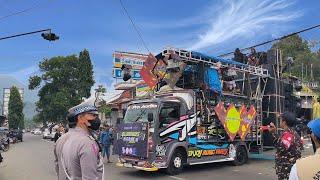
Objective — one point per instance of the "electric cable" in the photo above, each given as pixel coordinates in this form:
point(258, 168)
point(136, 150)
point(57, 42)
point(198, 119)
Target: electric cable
point(134, 26)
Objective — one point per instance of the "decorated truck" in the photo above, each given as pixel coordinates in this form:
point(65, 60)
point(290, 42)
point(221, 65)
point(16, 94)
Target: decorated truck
point(201, 109)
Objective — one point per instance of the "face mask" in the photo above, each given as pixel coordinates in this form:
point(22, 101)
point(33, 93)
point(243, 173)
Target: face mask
point(94, 124)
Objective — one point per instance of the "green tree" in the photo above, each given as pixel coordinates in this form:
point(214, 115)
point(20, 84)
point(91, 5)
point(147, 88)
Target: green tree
point(63, 83)
point(15, 116)
point(86, 74)
point(296, 47)
point(105, 109)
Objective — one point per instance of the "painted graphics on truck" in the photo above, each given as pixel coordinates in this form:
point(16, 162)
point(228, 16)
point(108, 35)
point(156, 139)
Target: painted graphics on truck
point(173, 137)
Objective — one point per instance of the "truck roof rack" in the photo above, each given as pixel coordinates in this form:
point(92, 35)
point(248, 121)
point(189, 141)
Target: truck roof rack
point(196, 57)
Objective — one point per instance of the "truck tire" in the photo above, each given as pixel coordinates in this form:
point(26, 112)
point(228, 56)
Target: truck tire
point(176, 162)
point(241, 156)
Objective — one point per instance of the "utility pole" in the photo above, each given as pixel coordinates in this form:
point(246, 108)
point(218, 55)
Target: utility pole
point(311, 72)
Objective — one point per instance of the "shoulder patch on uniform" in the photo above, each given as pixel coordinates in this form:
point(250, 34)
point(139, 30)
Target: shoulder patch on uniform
point(287, 139)
point(95, 149)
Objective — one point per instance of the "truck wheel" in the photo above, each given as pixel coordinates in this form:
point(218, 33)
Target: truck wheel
point(176, 163)
point(241, 156)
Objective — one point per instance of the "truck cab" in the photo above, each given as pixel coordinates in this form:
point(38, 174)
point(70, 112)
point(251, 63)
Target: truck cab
point(167, 131)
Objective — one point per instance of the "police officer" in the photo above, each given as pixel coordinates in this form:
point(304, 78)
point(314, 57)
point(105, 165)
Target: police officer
point(308, 168)
point(288, 145)
point(77, 153)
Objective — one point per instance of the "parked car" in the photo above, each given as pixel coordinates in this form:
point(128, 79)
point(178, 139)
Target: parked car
point(48, 135)
point(37, 132)
point(32, 131)
point(16, 135)
point(19, 134)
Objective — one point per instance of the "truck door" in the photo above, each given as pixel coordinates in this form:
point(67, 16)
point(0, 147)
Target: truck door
point(169, 113)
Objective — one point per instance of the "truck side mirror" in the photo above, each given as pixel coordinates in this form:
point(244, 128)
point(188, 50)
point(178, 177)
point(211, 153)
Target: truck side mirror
point(190, 112)
point(150, 117)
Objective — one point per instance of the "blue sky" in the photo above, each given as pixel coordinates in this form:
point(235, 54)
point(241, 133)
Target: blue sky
point(211, 27)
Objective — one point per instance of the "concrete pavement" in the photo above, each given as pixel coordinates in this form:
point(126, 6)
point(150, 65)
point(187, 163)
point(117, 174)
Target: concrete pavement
point(33, 160)
point(28, 160)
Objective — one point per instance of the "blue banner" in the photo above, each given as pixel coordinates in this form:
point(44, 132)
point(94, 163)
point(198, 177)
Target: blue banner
point(135, 73)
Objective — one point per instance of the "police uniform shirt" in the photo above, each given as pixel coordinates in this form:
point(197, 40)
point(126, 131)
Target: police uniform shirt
point(306, 168)
point(77, 156)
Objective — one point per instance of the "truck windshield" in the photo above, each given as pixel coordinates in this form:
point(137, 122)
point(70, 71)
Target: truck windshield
point(139, 112)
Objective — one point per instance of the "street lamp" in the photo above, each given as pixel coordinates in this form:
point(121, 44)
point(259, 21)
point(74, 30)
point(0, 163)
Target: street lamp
point(48, 35)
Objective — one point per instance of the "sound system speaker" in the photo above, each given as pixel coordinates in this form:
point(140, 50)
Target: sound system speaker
point(272, 57)
point(266, 136)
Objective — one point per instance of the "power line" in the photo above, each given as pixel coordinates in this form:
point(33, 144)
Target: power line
point(277, 39)
point(20, 12)
point(134, 26)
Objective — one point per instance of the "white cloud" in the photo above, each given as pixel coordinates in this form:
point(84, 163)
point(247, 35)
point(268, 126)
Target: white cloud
point(245, 19)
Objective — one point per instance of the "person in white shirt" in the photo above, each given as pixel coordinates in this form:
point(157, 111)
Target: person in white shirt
point(308, 168)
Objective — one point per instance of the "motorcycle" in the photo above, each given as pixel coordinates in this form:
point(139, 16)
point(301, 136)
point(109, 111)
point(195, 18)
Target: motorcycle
point(4, 144)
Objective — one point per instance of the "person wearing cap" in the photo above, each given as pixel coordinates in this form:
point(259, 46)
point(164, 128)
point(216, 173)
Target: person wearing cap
point(77, 153)
point(308, 168)
point(288, 145)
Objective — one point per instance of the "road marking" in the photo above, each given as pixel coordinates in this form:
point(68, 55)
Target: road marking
point(174, 177)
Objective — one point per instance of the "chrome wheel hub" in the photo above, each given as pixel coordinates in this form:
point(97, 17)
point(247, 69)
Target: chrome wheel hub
point(177, 162)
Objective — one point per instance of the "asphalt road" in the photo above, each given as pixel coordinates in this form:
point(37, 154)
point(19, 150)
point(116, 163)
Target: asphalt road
point(33, 160)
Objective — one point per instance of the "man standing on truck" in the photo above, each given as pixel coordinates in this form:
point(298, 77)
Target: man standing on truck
point(288, 145)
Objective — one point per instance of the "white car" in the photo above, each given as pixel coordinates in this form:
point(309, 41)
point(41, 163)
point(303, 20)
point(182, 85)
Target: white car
point(37, 132)
point(47, 135)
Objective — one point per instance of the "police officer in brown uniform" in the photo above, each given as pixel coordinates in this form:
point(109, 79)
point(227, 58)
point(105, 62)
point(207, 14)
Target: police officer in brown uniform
point(288, 145)
point(77, 153)
point(308, 168)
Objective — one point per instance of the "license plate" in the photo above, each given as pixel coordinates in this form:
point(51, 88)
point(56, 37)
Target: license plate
point(127, 165)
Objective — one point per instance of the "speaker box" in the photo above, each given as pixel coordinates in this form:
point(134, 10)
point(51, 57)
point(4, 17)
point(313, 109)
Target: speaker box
point(266, 136)
point(271, 56)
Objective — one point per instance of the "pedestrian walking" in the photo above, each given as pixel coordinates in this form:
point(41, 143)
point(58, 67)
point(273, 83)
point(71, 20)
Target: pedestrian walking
point(1, 158)
point(308, 168)
point(77, 153)
point(106, 141)
point(59, 133)
point(288, 145)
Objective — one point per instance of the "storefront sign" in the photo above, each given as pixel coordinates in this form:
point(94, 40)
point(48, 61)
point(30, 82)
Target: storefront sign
point(133, 59)
point(135, 74)
point(142, 90)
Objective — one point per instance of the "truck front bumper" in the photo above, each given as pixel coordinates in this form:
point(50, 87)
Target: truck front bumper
point(148, 167)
